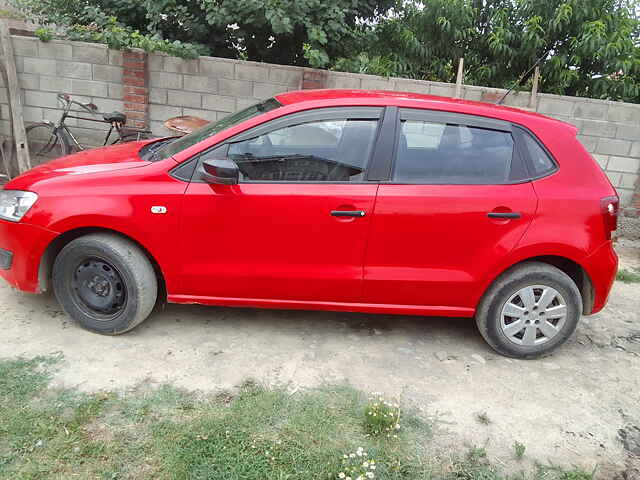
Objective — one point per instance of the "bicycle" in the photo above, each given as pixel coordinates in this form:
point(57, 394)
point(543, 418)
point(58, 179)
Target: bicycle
point(51, 140)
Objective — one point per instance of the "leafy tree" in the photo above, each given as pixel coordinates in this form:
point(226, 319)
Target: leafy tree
point(294, 32)
point(589, 47)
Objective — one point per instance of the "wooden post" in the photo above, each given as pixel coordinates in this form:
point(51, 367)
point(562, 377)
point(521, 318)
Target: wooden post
point(534, 88)
point(15, 106)
point(5, 162)
point(460, 79)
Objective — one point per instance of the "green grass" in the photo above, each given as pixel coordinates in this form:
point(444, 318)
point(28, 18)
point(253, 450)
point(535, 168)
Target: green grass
point(254, 433)
point(11, 15)
point(628, 276)
point(519, 450)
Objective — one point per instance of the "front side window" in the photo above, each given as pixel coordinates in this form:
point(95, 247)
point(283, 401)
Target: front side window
point(444, 153)
point(317, 151)
point(182, 143)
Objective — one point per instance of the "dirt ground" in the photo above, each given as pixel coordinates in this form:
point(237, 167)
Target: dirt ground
point(580, 406)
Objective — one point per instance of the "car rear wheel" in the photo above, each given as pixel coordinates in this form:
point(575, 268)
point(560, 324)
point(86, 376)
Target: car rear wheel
point(104, 282)
point(529, 310)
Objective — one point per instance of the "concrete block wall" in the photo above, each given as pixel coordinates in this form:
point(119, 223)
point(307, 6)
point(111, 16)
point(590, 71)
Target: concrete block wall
point(88, 71)
point(210, 87)
point(152, 88)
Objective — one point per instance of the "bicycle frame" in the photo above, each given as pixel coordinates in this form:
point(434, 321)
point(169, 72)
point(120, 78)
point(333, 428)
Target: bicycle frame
point(66, 135)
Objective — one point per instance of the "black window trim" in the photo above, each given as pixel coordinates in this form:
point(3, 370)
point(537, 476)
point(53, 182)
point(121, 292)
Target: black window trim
point(382, 160)
point(299, 118)
point(452, 118)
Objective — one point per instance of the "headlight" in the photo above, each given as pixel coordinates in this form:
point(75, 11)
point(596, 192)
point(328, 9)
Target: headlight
point(14, 204)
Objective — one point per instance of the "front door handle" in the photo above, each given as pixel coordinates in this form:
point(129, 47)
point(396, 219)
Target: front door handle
point(514, 215)
point(347, 213)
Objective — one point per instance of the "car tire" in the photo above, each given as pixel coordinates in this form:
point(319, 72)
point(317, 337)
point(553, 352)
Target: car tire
point(518, 299)
point(105, 282)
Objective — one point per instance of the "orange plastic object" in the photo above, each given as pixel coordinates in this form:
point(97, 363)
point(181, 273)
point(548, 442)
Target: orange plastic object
point(185, 124)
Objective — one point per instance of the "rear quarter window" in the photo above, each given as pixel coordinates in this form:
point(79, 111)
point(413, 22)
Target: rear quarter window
point(539, 161)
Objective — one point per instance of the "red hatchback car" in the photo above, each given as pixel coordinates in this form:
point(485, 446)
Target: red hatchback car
point(345, 200)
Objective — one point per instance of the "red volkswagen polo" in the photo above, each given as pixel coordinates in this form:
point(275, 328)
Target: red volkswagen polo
point(347, 200)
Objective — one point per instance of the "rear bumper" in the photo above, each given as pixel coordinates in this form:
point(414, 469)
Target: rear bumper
point(602, 267)
point(25, 244)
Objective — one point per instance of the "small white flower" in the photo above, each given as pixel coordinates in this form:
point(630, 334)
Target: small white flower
point(365, 464)
point(397, 426)
point(373, 467)
point(341, 475)
point(352, 455)
point(345, 456)
point(370, 474)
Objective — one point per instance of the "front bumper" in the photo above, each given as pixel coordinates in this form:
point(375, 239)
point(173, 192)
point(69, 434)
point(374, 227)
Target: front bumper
point(26, 243)
point(602, 267)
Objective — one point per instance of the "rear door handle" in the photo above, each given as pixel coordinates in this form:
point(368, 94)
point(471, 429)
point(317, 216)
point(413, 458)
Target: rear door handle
point(504, 215)
point(347, 213)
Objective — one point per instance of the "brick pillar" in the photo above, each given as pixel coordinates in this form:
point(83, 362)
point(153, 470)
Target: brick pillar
point(313, 79)
point(135, 92)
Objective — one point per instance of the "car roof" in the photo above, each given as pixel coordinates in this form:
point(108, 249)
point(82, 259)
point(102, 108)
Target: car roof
point(343, 97)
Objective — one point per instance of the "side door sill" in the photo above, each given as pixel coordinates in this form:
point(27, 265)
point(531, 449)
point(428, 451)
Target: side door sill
point(424, 310)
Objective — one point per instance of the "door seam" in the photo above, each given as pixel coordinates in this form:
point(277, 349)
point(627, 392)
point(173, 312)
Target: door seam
point(366, 243)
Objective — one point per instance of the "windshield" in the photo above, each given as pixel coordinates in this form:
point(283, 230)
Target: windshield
point(182, 143)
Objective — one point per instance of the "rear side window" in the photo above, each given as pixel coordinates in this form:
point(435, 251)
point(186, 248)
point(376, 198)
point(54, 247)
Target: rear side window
point(442, 153)
point(539, 161)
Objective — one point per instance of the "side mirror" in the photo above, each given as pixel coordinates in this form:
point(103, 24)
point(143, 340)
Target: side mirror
point(224, 172)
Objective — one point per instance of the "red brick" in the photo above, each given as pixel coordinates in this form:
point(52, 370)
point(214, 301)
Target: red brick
point(134, 73)
point(128, 54)
point(134, 81)
point(311, 84)
point(136, 107)
point(128, 90)
point(133, 65)
point(134, 98)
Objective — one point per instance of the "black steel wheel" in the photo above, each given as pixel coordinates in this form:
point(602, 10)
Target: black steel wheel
point(98, 288)
point(105, 282)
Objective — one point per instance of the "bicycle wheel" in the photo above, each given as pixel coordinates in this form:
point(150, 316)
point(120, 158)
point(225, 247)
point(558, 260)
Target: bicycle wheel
point(45, 143)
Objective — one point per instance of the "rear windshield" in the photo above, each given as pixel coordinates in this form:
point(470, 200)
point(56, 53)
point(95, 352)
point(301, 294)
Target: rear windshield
point(179, 144)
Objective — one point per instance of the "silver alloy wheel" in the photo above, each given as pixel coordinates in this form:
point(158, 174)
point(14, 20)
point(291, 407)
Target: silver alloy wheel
point(533, 315)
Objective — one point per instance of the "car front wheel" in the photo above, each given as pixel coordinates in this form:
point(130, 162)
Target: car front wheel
point(529, 310)
point(104, 282)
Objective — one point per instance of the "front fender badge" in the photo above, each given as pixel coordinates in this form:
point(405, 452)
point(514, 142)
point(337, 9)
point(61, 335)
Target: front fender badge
point(158, 209)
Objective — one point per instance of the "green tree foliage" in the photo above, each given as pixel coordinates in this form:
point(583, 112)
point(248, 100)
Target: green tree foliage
point(293, 32)
point(589, 47)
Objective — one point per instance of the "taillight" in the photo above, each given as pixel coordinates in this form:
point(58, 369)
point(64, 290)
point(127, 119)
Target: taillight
point(609, 208)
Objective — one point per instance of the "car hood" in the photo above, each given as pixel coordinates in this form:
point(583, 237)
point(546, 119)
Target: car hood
point(104, 159)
